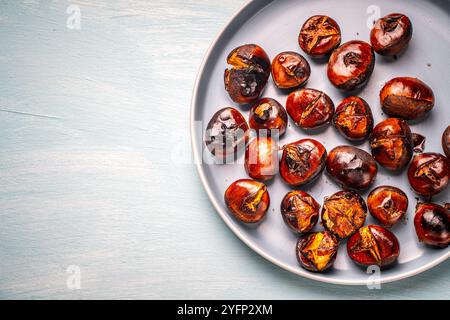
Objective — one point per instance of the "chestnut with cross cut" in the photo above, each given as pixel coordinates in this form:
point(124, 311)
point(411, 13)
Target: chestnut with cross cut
point(310, 108)
point(428, 173)
point(351, 167)
point(300, 211)
point(391, 143)
point(353, 118)
point(387, 204)
point(302, 161)
point(248, 75)
point(268, 114)
point(351, 65)
point(432, 223)
point(344, 213)
point(317, 251)
point(407, 98)
point(373, 245)
point(247, 200)
point(319, 36)
point(226, 133)
point(290, 70)
point(391, 34)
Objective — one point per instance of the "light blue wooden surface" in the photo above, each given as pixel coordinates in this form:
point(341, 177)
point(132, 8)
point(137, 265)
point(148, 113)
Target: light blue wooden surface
point(92, 125)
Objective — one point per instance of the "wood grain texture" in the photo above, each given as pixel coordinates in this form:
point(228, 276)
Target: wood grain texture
point(89, 121)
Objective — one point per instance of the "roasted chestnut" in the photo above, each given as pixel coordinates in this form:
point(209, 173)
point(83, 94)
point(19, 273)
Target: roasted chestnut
point(351, 167)
point(406, 98)
point(432, 223)
point(351, 65)
point(302, 161)
point(391, 34)
point(268, 114)
point(300, 211)
point(317, 251)
point(310, 108)
point(319, 36)
point(261, 158)
point(248, 75)
point(290, 70)
point(353, 118)
point(226, 133)
point(247, 200)
point(391, 143)
point(428, 173)
point(373, 245)
point(387, 204)
point(446, 142)
point(343, 213)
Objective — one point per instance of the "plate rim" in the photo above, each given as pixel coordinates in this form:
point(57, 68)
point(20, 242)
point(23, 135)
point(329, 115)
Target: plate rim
point(224, 216)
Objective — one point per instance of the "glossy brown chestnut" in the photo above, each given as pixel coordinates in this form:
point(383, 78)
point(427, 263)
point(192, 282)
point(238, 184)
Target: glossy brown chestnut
point(406, 98)
point(373, 245)
point(247, 200)
point(432, 223)
point(300, 211)
point(317, 251)
point(310, 108)
point(302, 161)
point(261, 158)
point(268, 114)
point(387, 204)
point(351, 167)
point(319, 36)
point(353, 118)
point(248, 75)
point(391, 143)
point(290, 70)
point(351, 65)
point(446, 142)
point(226, 133)
point(428, 173)
point(391, 34)
point(344, 213)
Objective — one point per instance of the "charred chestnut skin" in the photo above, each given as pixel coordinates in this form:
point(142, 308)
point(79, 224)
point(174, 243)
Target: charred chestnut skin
point(226, 133)
point(351, 65)
point(247, 200)
point(302, 161)
point(391, 143)
point(351, 167)
point(353, 118)
point(343, 213)
point(446, 142)
point(317, 251)
point(300, 211)
point(373, 245)
point(391, 34)
point(428, 173)
point(261, 158)
point(248, 75)
point(268, 114)
point(387, 204)
point(407, 98)
point(310, 108)
point(319, 36)
point(432, 223)
point(290, 70)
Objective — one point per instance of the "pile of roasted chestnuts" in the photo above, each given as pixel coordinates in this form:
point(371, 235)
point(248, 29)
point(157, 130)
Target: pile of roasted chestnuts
point(393, 146)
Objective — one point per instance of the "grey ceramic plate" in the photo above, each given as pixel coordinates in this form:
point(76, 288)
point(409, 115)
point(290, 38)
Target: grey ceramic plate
point(274, 25)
